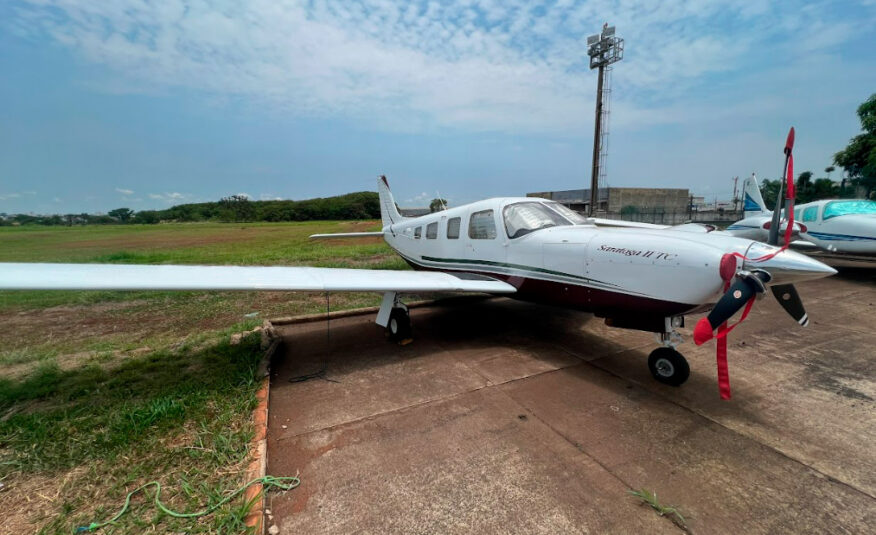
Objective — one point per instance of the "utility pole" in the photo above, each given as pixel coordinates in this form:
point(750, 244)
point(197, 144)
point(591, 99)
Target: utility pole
point(604, 49)
point(735, 199)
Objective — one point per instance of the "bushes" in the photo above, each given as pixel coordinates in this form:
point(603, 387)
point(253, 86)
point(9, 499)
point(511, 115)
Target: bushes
point(360, 205)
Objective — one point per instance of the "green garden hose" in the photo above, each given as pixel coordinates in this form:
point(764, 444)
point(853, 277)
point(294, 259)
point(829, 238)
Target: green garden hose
point(282, 483)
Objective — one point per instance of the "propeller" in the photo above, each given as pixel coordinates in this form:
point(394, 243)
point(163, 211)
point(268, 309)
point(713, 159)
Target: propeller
point(751, 283)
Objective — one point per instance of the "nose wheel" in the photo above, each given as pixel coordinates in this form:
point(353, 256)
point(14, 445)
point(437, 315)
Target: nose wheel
point(668, 366)
point(399, 326)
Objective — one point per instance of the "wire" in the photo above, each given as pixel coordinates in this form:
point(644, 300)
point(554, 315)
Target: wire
point(322, 371)
point(266, 481)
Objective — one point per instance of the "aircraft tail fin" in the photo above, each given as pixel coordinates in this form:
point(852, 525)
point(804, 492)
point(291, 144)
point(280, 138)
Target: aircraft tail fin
point(388, 209)
point(752, 201)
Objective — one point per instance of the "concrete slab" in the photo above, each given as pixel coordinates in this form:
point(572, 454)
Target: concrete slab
point(509, 417)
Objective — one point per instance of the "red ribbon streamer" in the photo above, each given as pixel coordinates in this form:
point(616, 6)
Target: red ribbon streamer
point(790, 195)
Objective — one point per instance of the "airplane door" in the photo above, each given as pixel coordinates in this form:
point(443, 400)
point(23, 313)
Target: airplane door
point(485, 239)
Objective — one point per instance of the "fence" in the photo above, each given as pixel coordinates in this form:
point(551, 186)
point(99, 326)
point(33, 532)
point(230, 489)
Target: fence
point(660, 216)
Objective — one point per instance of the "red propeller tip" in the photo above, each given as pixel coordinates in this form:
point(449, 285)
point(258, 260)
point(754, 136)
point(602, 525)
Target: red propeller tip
point(702, 332)
point(789, 143)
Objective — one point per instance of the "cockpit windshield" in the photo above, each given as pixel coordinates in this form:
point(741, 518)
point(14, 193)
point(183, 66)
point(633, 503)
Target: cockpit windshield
point(568, 213)
point(838, 208)
point(525, 217)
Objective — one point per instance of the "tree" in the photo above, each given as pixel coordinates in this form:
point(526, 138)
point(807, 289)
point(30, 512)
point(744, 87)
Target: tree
point(121, 214)
point(824, 188)
point(147, 217)
point(769, 190)
point(804, 187)
point(437, 205)
point(236, 208)
point(829, 169)
point(858, 159)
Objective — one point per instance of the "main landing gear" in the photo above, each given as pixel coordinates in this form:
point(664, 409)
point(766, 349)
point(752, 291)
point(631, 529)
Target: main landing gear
point(666, 364)
point(399, 327)
point(395, 317)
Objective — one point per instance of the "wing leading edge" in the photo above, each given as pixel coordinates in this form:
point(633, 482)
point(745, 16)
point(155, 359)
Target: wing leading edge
point(25, 276)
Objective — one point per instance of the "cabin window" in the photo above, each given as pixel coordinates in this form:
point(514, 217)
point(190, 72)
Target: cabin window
point(482, 226)
point(525, 217)
point(432, 231)
point(418, 232)
point(810, 214)
point(837, 208)
point(797, 214)
point(453, 228)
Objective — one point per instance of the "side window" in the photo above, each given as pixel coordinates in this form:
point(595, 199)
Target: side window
point(810, 214)
point(432, 231)
point(418, 232)
point(482, 226)
point(797, 215)
point(453, 228)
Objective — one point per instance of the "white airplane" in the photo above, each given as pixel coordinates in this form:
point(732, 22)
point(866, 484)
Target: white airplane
point(526, 248)
point(835, 225)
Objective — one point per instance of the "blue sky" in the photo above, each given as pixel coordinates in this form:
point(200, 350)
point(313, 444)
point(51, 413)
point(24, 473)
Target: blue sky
point(148, 104)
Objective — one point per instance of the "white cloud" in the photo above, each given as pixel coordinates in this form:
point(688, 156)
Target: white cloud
point(503, 65)
point(169, 197)
point(419, 199)
point(125, 191)
point(7, 196)
point(269, 197)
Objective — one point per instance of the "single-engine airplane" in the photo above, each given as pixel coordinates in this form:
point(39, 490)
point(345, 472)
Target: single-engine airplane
point(526, 248)
point(846, 226)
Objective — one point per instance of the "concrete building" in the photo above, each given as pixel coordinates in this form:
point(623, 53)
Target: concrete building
point(616, 200)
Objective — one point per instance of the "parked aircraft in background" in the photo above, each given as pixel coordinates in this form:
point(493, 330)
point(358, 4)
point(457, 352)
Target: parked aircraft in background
point(835, 225)
point(526, 248)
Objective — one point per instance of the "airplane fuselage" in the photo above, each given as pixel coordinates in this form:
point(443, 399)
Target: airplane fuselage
point(635, 276)
point(826, 224)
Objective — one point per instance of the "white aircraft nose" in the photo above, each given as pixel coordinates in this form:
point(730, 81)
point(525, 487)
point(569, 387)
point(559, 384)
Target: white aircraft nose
point(787, 266)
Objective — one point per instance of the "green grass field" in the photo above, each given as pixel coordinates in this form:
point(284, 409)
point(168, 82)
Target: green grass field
point(103, 391)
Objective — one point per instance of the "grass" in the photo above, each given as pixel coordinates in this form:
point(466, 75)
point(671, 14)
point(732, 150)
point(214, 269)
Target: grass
point(101, 392)
point(650, 498)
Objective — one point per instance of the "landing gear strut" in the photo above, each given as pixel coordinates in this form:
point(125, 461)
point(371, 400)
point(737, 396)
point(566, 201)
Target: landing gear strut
point(666, 364)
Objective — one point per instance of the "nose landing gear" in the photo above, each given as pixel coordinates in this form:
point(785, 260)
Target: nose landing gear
point(666, 364)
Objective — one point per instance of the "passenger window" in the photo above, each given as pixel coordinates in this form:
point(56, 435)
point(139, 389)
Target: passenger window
point(810, 214)
point(453, 228)
point(432, 231)
point(797, 215)
point(482, 226)
point(418, 232)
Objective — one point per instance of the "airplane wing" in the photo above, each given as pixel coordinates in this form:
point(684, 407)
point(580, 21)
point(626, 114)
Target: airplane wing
point(22, 276)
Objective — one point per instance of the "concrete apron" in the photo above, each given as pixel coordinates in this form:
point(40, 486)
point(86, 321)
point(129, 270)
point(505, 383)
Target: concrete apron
point(508, 417)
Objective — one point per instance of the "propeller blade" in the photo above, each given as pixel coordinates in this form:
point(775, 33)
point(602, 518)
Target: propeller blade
point(732, 301)
point(773, 238)
point(787, 296)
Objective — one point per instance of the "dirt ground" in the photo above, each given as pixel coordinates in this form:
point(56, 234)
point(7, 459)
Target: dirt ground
point(508, 417)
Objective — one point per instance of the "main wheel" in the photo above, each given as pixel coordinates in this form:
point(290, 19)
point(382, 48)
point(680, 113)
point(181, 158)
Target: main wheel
point(399, 326)
point(668, 366)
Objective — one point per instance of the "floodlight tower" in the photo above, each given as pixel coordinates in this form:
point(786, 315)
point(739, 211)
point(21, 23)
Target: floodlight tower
point(604, 49)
